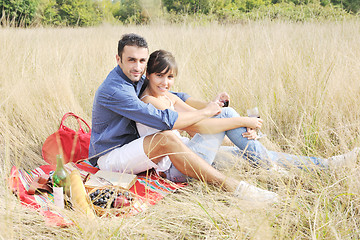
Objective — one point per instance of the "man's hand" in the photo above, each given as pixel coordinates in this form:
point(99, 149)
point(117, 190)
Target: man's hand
point(221, 98)
point(251, 134)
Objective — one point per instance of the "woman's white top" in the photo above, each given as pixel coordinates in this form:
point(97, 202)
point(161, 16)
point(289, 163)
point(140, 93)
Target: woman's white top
point(144, 130)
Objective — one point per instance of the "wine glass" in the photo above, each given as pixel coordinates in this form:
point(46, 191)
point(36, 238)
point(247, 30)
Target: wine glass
point(254, 112)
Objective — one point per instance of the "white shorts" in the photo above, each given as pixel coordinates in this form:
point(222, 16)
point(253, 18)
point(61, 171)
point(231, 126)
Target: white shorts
point(129, 158)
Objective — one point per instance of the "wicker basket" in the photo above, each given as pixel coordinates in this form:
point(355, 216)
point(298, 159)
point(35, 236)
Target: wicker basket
point(107, 209)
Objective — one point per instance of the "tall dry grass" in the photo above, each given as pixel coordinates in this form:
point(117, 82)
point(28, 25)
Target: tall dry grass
point(303, 77)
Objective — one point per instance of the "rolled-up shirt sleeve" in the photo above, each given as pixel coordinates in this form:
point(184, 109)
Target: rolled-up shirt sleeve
point(124, 102)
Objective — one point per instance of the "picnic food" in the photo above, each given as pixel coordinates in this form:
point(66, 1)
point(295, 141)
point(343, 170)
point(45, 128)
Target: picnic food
point(120, 201)
point(111, 200)
point(78, 194)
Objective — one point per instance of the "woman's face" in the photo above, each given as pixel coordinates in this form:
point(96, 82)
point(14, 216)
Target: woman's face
point(159, 83)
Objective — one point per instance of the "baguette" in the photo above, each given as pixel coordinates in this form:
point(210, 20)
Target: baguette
point(79, 197)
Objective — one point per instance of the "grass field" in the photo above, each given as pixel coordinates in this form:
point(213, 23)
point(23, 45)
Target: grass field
point(304, 77)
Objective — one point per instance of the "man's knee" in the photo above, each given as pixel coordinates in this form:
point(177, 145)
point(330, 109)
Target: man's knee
point(163, 141)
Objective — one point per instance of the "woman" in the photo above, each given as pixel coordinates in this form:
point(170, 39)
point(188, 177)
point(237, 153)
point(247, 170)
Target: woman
point(161, 71)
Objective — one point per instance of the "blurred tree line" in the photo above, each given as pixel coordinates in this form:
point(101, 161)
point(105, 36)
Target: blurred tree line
point(93, 12)
point(214, 6)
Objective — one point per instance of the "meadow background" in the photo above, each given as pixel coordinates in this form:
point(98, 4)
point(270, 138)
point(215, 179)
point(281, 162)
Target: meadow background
point(304, 77)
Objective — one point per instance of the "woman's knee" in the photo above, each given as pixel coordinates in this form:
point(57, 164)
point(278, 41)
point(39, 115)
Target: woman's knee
point(228, 112)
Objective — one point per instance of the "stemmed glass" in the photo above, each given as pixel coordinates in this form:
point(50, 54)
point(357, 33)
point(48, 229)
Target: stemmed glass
point(254, 112)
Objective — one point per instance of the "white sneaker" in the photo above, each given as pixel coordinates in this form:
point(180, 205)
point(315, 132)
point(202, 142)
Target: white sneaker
point(249, 192)
point(344, 159)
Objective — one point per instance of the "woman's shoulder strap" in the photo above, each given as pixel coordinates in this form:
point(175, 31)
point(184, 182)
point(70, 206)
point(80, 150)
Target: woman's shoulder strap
point(144, 97)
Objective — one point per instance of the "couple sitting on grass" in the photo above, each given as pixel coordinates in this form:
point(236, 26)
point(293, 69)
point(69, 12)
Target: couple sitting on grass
point(135, 120)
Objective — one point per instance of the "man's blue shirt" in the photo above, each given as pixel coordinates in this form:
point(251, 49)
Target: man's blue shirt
point(117, 107)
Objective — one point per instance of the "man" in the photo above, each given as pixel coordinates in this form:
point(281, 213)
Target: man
point(115, 144)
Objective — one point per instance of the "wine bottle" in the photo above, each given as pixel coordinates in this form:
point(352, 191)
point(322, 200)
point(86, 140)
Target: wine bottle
point(60, 182)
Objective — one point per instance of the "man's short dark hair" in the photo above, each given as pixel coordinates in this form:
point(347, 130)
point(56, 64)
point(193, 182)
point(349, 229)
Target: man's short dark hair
point(131, 39)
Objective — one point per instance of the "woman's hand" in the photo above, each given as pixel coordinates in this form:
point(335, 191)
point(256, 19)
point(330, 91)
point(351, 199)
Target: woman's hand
point(251, 134)
point(221, 98)
point(254, 123)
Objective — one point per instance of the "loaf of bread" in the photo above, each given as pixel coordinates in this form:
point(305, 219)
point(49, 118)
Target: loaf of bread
point(79, 197)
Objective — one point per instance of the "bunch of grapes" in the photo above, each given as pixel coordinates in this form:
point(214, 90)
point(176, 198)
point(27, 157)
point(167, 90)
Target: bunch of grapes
point(108, 197)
